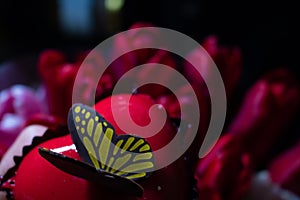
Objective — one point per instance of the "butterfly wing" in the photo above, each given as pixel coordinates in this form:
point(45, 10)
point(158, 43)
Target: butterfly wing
point(96, 141)
point(89, 131)
point(131, 157)
point(87, 172)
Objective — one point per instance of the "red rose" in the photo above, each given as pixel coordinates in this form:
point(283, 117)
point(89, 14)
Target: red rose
point(225, 173)
point(268, 109)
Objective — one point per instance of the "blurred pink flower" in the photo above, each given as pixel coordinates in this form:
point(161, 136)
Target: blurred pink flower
point(17, 105)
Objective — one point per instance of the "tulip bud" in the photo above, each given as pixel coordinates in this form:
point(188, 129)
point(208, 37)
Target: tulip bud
point(268, 109)
point(225, 173)
point(227, 59)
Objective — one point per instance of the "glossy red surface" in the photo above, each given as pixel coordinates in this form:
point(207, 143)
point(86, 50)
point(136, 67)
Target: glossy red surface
point(36, 178)
point(138, 106)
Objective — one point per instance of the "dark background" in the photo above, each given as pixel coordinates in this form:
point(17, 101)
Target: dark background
point(265, 31)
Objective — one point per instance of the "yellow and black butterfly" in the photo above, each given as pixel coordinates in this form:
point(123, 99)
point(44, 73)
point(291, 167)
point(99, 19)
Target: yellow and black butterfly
point(110, 160)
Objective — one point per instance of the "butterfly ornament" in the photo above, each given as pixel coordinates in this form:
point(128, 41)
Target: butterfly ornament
point(113, 161)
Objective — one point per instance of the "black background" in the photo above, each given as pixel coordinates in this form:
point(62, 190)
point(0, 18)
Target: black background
point(265, 31)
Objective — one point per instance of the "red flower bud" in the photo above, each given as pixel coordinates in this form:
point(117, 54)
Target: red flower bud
point(161, 76)
point(267, 110)
point(131, 40)
point(227, 59)
point(225, 173)
point(58, 78)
